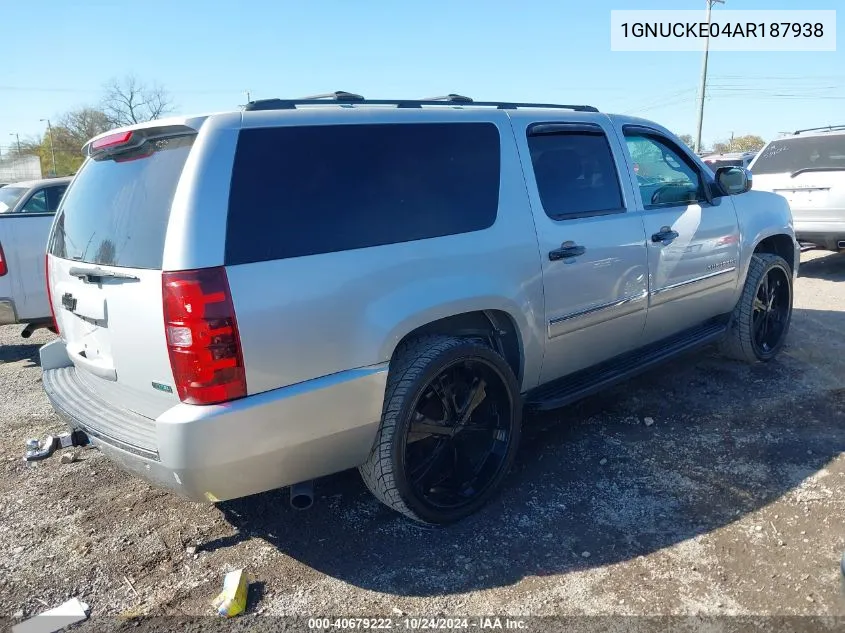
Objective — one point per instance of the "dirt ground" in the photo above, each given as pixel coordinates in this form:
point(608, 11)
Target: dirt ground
point(731, 502)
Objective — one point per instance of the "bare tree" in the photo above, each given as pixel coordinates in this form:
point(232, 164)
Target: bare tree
point(129, 100)
point(84, 124)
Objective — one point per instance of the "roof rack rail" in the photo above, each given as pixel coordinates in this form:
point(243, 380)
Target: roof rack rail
point(826, 128)
point(450, 97)
point(342, 98)
point(338, 95)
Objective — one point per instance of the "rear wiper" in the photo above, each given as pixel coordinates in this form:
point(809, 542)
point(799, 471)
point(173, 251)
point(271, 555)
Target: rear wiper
point(88, 274)
point(801, 171)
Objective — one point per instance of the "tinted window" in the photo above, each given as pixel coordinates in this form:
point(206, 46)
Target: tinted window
point(54, 197)
point(664, 175)
point(823, 153)
point(37, 203)
point(117, 210)
point(576, 174)
point(305, 190)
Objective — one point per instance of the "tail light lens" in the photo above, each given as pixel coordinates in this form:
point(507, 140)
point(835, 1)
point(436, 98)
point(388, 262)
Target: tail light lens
point(3, 268)
point(202, 336)
point(50, 293)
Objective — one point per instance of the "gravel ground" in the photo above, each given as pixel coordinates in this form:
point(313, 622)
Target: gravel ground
point(730, 502)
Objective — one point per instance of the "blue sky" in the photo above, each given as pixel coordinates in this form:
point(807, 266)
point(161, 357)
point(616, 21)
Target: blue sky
point(58, 54)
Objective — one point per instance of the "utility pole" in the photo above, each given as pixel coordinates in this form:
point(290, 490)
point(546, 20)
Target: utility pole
point(52, 150)
point(731, 146)
point(18, 139)
point(703, 87)
point(247, 96)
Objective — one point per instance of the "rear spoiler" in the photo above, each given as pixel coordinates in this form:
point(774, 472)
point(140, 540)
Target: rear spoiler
point(119, 141)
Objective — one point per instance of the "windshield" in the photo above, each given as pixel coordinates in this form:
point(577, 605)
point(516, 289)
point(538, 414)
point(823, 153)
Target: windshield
point(9, 197)
point(117, 209)
point(818, 153)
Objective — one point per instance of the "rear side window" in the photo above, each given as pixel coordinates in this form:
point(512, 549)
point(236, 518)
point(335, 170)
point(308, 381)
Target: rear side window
point(575, 172)
point(54, 197)
point(812, 153)
point(307, 190)
point(117, 209)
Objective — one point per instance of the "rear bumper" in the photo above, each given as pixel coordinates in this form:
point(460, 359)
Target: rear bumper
point(827, 233)
point(258, 443)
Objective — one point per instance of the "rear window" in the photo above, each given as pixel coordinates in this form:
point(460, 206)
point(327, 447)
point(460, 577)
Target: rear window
point(715, 164)
point(823, 153)
point(116, 211)
point(307, 190)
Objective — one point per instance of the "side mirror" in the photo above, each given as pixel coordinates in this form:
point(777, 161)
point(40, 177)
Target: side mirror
point(734, 180)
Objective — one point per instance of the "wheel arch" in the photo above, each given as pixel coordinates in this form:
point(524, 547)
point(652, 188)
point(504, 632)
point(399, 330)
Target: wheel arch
point(779, 244)
point(498, 326)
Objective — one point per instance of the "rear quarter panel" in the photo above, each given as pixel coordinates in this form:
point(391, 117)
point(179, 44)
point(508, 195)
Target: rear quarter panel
point(307, 317)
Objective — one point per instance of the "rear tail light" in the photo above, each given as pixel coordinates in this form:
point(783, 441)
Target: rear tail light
point(50, 293)
point(3, 268)
point(202, 336)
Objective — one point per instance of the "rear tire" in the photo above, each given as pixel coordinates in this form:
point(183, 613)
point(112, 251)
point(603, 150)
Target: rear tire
point(422, 461)
point(760, 320)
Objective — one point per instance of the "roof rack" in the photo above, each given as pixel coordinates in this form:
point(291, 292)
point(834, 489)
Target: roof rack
point(350, 99)
point(826, 128)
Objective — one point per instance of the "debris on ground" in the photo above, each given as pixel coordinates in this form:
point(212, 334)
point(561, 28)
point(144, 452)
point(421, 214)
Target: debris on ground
point(191, 550)
point(603, 461)
point(68, 457)
point(585, 554)
point(55, 619)
point(232, 600)
point(648, 421)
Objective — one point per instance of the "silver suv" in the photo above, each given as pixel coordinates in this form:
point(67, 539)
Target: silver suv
point(255, 299)
point(808, 169)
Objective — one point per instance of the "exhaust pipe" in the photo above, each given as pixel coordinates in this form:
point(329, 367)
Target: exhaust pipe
point(841, 244)
point(302, 495)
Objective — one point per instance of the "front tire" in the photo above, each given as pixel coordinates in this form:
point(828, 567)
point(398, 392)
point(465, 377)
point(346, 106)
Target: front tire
point(762, 315)
point(449, 430)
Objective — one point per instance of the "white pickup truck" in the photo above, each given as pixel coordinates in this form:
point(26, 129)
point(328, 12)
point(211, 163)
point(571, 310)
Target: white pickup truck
point(26, 214)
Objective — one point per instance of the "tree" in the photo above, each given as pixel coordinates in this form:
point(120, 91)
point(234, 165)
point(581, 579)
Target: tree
point(129, 100)
point(687, 139)
point(747, 143)
point(84, 124)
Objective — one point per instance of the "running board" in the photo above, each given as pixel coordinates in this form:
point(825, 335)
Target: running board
point(587, 382)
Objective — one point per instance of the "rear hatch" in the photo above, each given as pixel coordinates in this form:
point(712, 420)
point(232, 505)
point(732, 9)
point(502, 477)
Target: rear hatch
point(104, 266)
point(809, 171)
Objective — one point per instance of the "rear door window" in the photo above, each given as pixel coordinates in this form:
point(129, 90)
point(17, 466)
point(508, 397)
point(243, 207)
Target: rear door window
point(306, 190)
point(117, 210)
point(813, 153)
point(575, 172)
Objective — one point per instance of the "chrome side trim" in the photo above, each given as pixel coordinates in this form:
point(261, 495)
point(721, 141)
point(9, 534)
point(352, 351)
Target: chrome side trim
point(620, 307)
point(689, 282)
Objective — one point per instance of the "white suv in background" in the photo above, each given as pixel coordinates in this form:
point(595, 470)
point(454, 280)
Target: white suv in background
point(808, 169)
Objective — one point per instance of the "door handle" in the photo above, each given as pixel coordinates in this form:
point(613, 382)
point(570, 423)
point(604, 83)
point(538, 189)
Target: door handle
point(567, 250)
point(664, 235)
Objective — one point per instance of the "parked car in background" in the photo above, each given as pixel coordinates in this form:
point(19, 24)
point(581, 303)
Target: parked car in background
point(389, 291)
point(808, 169)
point(26, 213)
point(732, 159)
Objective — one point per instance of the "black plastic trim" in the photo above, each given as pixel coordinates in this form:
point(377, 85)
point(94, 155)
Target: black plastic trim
point(586, 382)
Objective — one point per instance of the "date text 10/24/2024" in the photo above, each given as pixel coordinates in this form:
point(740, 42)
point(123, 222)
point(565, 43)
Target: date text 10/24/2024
point(418, 623)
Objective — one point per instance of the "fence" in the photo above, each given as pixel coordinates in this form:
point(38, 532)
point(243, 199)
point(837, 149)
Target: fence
point(17, 168)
